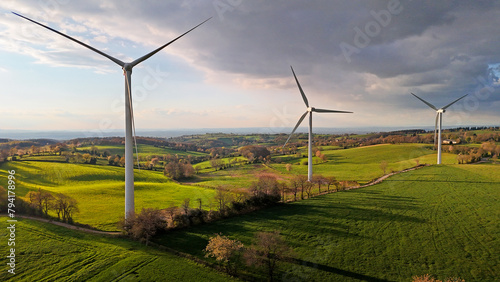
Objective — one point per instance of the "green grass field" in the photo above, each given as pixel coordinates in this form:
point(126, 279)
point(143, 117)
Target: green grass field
point(45, 252)
point(206, 167)
point(362, 164)
point(239, 176)
point(441, 220)
point(99, 190)
point(143, 149)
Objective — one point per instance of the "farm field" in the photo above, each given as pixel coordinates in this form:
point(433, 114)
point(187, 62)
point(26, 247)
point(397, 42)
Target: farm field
point(99, 190)
point(362, 164)
point(207, 168)
point(52, 253)
point(441, 220)
point(143, 149)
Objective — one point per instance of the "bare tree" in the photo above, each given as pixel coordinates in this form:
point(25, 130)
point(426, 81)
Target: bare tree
point(187, 169)
point(283, 189)
point(294, 188)
point(86, 158)
point(143, 226)
point(318, 180)
point(185, 205)
point(302, 182)
point(222, 197)
point(154, 162)
point(40, 200)
point(216, 164)
point(198, 168)
point(331, 181)
point(268, 251)
point(308, 187)
point(65, 207)
point(200, 201)
point(383, 166)
point(171, 213)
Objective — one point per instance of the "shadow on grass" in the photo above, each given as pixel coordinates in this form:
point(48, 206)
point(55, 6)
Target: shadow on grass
point(335, 270)
point(444, 181)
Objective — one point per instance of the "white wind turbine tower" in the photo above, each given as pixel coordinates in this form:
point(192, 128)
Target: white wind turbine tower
point(129, 115)
point(439, 122)
point(309, 111)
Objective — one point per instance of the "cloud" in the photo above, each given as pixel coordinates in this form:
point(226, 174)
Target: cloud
point(438, 49)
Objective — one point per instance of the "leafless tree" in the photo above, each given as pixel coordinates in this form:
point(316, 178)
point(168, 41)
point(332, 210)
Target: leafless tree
point(383, 166)
point(65, 207)
point(145, 225)
point(268, 250)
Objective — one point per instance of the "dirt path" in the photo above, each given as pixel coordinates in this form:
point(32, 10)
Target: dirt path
point(384, 177)
point(378, 180)
point(73, 227)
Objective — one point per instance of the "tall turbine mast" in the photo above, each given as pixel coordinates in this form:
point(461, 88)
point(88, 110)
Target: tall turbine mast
point(129, 122)
point(309, 111)
point(439, 123)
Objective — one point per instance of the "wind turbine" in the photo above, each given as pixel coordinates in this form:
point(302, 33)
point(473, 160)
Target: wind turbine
point(309, 111)
point(129, 115)
point(439, 122)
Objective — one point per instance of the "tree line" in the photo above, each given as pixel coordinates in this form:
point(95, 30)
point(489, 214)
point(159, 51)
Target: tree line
point(41, 203)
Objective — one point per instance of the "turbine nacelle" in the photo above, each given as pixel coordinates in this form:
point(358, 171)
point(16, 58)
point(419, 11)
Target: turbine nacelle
point(127, 67)
point(441, 111)
point(310, 109)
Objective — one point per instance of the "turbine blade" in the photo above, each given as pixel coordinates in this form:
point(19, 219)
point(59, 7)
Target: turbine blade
point(295, 128)
point(427, 103)
point(444, 108)
point(300, 88)
point(120, 63)
point(329, 111)
point(435, 129)
point(145, 57)
point(131, 109)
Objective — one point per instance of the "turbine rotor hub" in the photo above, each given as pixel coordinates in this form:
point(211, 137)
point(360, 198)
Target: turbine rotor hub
point(310, 109)
point(127, 67)
point(441, 111)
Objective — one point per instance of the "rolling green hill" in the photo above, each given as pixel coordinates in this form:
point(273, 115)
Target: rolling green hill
point(143, 149)
point(99, 190)
point(45, 252)
point(362, 164)
point(441, 220)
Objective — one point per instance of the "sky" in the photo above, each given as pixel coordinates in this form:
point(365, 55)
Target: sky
point(234, 70)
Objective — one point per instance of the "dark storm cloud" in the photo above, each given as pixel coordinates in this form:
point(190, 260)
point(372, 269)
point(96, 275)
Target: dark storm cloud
point(439, 49)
